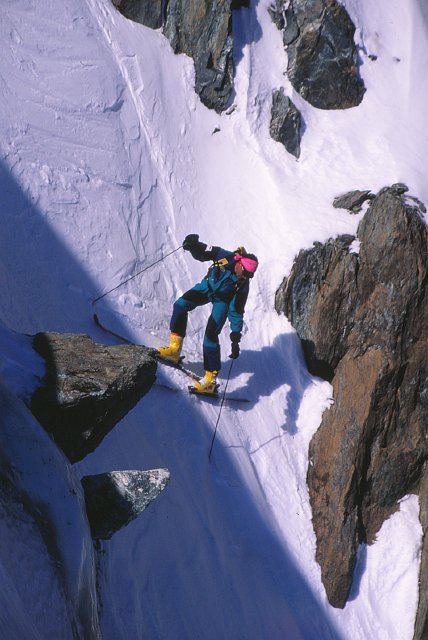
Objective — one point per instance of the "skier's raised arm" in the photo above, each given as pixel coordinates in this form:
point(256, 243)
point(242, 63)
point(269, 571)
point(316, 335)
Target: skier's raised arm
point(199, 250)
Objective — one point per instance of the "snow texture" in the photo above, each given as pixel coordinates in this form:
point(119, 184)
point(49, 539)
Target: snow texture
point(107, 160)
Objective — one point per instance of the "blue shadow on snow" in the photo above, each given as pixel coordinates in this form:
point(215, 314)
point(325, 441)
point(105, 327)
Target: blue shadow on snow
point(35, 264)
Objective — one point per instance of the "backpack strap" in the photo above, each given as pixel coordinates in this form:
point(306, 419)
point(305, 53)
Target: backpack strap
point(221, 263)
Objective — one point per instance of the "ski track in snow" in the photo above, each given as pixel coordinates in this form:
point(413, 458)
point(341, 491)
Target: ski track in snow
point(114, 161)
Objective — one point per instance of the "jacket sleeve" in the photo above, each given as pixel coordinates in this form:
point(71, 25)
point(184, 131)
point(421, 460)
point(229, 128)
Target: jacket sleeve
point(202, 252)
point(237, 308)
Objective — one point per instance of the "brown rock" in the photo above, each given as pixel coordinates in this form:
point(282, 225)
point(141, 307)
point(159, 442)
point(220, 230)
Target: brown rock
point(338, 469)
point(309, 300)
point(363, 321)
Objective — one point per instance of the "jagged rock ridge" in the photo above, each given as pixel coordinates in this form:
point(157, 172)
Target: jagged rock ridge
point(363, 321)
point(88, 388)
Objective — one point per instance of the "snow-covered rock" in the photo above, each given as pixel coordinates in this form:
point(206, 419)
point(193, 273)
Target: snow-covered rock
point(114, 499)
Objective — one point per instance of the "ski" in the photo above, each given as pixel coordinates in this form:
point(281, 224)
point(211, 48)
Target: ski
point(188, 372)
point(180, 367)
point(168, 363)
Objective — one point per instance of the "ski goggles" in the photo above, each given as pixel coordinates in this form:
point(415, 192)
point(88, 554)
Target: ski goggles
point(249, 264)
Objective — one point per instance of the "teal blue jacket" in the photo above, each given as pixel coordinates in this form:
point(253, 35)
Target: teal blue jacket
point(222, 284)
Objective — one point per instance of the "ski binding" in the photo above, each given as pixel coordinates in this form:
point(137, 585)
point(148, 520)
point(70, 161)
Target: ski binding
point(207, 394)
point(215, 395)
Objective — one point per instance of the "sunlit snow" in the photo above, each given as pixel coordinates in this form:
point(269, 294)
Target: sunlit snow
point(108, 159)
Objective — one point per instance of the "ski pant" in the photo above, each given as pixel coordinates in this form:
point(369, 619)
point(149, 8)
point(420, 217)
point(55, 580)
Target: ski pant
point(196, 297)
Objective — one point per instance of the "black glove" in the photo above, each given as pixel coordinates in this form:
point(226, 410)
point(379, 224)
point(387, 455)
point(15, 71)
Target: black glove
point(234, 351)
point(190, 241)
point(235, 337)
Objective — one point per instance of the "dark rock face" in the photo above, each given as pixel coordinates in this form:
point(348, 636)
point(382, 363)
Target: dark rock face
point(322, 57)
point(147, 12)
point(309, 298)
point(286, 122)
point(203, 30)
point(88, 388)
point(352, 201)
point(277, 13)
point(114, 499)
point(363, 321)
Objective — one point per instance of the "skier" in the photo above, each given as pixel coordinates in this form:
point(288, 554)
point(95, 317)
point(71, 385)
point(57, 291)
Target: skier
point(226, 286)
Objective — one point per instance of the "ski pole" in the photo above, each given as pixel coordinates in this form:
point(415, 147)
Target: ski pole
point(135, 275)
point(219, 413)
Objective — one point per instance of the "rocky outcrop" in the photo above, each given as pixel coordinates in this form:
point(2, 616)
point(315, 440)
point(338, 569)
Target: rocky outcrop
point(286, 123)
point(363, 321)
point(322, 57)
point(309, 298)
point(114, 499)
point(203, 31)
point(147, 12)
point(88, 388)
point(277, 12)
point(352, 201)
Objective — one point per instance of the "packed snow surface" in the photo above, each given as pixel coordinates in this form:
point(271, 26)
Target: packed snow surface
point(108, 159)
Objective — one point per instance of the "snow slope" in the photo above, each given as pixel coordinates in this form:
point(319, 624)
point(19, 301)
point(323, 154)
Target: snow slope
point(47, 564)
point(107, 161)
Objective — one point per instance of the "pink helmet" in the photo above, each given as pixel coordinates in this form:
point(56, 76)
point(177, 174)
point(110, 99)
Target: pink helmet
point(249, 262)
